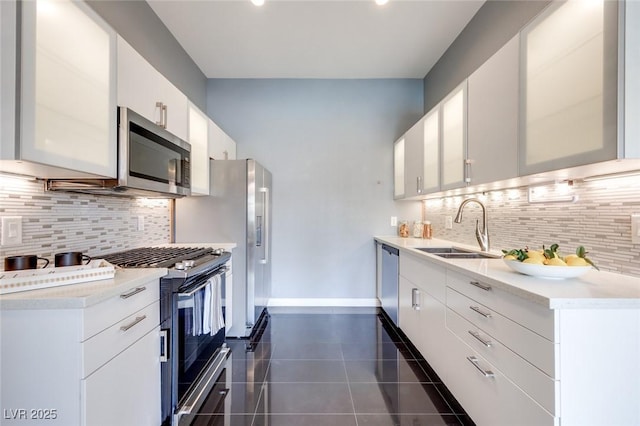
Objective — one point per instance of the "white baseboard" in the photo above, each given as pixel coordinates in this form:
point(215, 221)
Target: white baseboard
point(349, 302)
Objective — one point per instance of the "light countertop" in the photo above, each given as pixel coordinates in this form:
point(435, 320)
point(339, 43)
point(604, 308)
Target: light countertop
point(594, 290)
point(82, 295)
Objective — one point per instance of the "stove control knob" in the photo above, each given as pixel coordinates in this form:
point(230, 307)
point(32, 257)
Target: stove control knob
point(180, 266)
point(189, 263)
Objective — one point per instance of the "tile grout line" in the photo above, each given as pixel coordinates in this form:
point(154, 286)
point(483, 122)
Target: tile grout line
point(344, 366)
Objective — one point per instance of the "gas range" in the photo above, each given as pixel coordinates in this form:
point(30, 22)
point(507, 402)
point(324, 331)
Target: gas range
point(181, 262)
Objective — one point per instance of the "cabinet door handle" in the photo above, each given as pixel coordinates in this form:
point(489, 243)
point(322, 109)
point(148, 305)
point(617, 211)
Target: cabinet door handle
point(478, 310)
point(134, 322)
point(133, 292)
point(165, 118)
point(485, 342)
point(467, 170)
point(485, 287)
point(419, 184)
point(486, 373)
point(415, 299)
point(160, 107)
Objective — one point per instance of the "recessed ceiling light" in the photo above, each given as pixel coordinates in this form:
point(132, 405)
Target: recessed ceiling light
point(381, 2)
point(257, 2)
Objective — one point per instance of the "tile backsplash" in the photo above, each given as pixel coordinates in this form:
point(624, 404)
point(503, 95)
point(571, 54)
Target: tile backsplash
point(600, 220)
point(56, 222)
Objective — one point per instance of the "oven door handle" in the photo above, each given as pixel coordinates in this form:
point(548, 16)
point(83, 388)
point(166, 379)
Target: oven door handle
point(202, 387)
point(192, 291)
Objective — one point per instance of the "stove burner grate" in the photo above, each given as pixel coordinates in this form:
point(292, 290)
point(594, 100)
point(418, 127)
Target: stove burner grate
point(155, 257)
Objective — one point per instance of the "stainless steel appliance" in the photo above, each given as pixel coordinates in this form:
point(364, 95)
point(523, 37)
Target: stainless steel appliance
point(238, 210)
point(389, 290)
point(151, 163)
point(193, 351)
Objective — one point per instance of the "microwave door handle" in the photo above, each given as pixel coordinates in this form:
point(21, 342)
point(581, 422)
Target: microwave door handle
point(265, 213)
point(173, 170)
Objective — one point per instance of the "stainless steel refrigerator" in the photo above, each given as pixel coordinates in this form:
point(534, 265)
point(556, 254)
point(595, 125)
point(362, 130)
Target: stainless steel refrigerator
point(237, 210)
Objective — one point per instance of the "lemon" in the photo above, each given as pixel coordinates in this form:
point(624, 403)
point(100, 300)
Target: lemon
point(510, 257)
point(534, 260)
point(556, 261)
point(535, 255)
point(570, 257)
point(577, 261)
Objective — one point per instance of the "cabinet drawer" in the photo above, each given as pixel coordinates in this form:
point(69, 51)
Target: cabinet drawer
point(425, 274)
point(98, 350)
point(530, 315)
point(529, 345)
point(531, 380)
point(99, 317)
point(125, 391)
point(487, 395)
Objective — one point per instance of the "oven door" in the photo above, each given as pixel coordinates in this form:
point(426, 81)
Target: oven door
point(199, 334)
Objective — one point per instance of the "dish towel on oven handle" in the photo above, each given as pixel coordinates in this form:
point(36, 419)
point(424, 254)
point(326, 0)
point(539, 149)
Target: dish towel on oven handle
point(211, 320)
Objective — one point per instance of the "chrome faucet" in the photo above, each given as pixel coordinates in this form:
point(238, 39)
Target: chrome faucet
point(481, 235)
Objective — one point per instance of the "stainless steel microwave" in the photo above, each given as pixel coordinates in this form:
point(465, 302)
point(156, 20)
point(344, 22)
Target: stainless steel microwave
point(152, 162)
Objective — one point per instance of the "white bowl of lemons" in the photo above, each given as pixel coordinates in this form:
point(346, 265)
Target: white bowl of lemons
point(548, 263)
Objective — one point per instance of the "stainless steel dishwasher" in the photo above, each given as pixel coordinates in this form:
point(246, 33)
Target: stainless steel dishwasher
point(389, 287)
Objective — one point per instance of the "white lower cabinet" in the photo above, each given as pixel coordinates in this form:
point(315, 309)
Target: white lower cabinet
point(123, 390)
point(82, 367)
point(510, 361)
point(487, 395)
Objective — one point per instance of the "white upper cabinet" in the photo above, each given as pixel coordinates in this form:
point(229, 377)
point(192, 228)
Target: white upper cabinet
point(492, 122)
point(144, 90)
point(221, 146)
point(453, 110)
point(68, 91)
point(413, 144)
point(569, 86)
point(431, 151)
point(398, 169)
point(199, 140)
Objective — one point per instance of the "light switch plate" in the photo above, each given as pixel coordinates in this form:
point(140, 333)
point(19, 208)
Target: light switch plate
point(11, 231)
point(394, 220)
point(635, 228)
point(448, 222)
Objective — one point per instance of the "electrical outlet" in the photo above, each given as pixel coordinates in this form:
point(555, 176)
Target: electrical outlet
point(448, 222)
point(11, 231)
point(140, 223)
point(635, 228)
point(394, 221)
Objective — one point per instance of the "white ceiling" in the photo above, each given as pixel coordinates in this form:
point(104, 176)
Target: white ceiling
point(315, 38)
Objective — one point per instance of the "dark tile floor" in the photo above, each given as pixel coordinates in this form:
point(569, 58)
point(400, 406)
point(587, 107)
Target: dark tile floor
point(335, 367)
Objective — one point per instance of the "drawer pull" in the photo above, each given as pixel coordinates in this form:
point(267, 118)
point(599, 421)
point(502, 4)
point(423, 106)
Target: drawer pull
point(478, 284)
point(415, 299)
point(486, 373)
point(475, 334)
point(133, 292)
point(478, 310)
point(135, 321)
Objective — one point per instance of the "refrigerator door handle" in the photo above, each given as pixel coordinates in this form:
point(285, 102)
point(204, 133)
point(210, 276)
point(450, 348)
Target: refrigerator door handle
point(265, 213)
point(258, 231)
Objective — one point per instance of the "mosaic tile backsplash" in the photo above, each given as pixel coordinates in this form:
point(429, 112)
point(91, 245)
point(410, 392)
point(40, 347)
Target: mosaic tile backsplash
point(57, 222)
point(600, 220)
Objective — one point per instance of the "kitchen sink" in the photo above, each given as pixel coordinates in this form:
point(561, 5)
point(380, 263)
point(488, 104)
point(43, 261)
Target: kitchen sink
point(456, 253)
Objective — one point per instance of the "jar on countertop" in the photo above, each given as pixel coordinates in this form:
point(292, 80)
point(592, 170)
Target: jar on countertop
point(417, 229)
point(403, 228)
point(427, 230)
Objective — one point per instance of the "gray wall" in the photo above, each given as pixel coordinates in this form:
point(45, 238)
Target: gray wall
point(137, 23)
point(328, 144)
point(496, 22)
